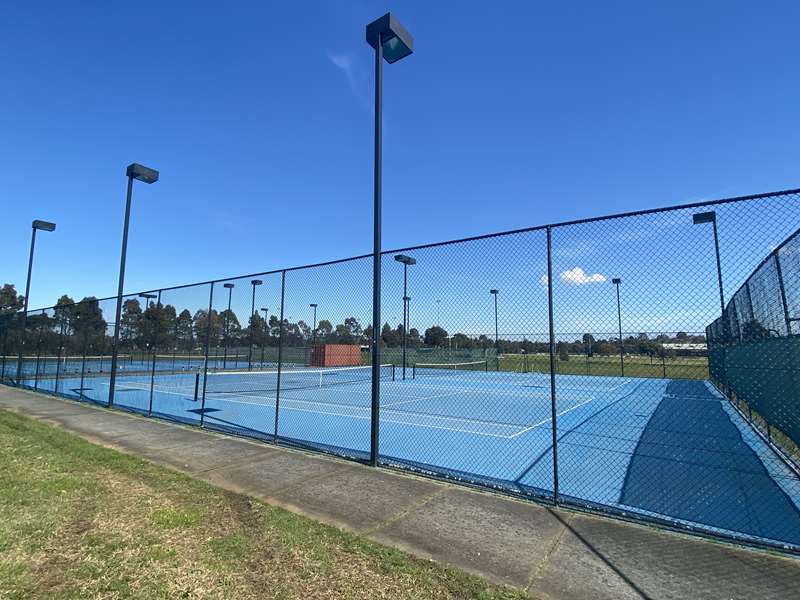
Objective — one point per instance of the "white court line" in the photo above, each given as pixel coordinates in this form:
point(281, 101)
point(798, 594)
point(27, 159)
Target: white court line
point(461, 390)
point(366, 416)
point(395, 421)
point(540, 423)
point(431, 397)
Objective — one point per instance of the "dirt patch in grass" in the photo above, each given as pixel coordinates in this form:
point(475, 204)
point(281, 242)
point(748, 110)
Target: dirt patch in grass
point(81, 521)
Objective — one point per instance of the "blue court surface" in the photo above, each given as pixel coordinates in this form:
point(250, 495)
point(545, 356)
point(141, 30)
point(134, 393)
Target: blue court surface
point(672, 450)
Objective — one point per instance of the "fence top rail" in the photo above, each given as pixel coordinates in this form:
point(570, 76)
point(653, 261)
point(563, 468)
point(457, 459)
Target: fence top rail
point(774, 254)
point(637, 213)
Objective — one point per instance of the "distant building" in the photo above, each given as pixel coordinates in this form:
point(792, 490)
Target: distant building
point(686, 348)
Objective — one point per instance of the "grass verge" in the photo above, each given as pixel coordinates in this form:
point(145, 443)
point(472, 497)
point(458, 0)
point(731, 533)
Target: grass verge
point(81, 521)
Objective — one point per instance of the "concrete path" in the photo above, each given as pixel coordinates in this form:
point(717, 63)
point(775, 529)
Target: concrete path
point(553, 554)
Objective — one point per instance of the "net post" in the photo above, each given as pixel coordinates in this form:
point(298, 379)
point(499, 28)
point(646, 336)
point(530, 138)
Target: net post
point(206, 350)
point(280, 359)
point(196, 384)
point(553, 413)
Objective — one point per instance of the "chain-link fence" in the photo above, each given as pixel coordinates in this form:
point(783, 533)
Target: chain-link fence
point(605, 363)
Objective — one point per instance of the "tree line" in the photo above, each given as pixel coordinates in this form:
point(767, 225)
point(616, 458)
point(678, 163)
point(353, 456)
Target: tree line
point(145, 325)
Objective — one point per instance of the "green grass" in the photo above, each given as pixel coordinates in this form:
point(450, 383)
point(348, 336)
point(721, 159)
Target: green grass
point(82, 521)
point(635, 366)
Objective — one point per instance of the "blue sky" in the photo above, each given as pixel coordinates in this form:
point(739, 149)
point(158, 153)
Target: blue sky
point(259, 118)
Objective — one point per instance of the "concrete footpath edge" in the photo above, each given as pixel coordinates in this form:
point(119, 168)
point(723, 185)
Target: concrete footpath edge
point(551, 553)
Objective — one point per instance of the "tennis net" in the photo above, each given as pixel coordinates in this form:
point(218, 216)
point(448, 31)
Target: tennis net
point(440, 369)
point(253, 382)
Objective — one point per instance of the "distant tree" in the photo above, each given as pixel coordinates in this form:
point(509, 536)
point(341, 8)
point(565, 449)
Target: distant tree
point(681, 335)
point(274, 328)
point(231, 328)
point(342, 335)
point(184, 334)
point(563, 351)
point(483, 342)
point(131, 332)
point(435, 336)
point(389, 336)
point(460, 340)
point(256, 330)
point(64, 311)
point(324, 330)
point(353, 327)
point(207, 330)
point(88, 325)
point(303, 330)
point(414, 339)
point(10, 301)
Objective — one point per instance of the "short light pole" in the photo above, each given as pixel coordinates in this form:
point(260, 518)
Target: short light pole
point(229, 287)
point(313, 326)
point(146, 175)
point(391, 42)
point(266, 335)
point(405, 261)
point(711, 217)
point(253, 313)
point(617, 281)
point(36, 225)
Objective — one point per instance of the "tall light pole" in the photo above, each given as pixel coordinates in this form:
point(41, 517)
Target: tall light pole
point(617, 281)
point(391, 43)
point(229, 287)
point(146, 175)
point(494, 293)
point(254, 283)
point(314, 326)
point(266, 335)
point(406, 261)
point(711, 217)
point(36, 225)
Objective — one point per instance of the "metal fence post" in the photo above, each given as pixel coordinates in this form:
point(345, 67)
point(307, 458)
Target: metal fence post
point(39, 342)
point(280, 358)
point(154, 347)
point(5, 342)
point(58, 358)
point(553, 413)
point(205, 354)
point(787, 318)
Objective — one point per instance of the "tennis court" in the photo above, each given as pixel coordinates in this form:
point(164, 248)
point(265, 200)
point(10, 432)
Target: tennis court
point(669, 449)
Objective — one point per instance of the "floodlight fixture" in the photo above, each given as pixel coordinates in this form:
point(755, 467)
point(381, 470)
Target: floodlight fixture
point(43, 225)
point(142, 173)
point(388, 36)
point(406, 260)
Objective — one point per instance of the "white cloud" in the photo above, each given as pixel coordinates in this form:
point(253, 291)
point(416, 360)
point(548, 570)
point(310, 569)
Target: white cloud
point(355, 74)
point(544, 279)
point(578, 276)
point(344, 62)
